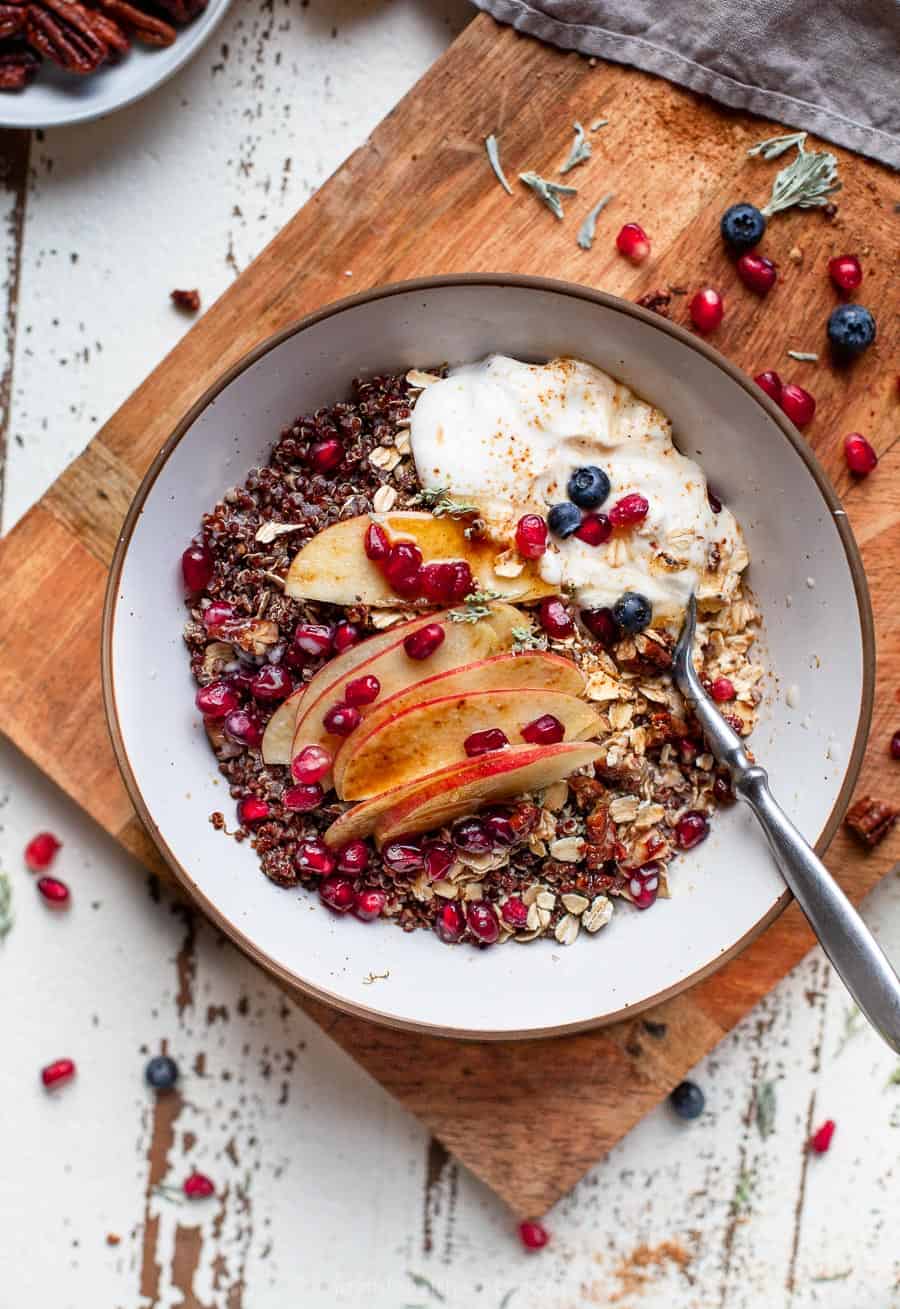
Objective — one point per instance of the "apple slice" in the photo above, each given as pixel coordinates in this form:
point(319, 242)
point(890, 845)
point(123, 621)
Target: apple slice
point(276, 743)
point(500, 672)
point(460, 789)
point(334, 567)
point(426, 737)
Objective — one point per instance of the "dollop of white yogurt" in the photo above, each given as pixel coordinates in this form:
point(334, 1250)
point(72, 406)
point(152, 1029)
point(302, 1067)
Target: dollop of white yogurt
point(507, 435)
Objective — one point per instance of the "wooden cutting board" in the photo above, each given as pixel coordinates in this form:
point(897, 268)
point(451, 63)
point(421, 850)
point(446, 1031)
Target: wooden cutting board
point(419, 198)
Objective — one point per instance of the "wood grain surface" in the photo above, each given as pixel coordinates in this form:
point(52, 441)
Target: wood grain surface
point(418, 198)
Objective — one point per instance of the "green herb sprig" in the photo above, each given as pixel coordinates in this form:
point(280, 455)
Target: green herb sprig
point(492, 146)
point(6, 912)
point(743, 1191)
point(441, 504)
point(526, 638)
point(580, 151)
point(548, 192)
point(588, 229)
point(765, 1109)
point(807, 181)
point(477, 606)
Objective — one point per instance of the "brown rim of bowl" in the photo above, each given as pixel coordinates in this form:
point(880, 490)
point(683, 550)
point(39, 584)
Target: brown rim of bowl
point(503, 280)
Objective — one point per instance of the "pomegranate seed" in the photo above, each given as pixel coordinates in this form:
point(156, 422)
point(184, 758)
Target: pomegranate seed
point(53, 890)
point(421, 644)
point(757, 272)
point(218, 615)
point(601, 625)
point(252, 810)
point(722, 689)
point(630, 509)
point(197, 567)
point(463, 581)
point(217, 700)
point(735, 722)
point(715, 503)
point(403, 569)
point(643, 885)
point(403, 857)
point(376, 542)
point(492, 738)
point(311, 764)
point(41, 851)
point(58, 1073)
point(691, 829)
point(369, 904)
point(198, 1187)
point(797, 404)
point(633, 243)
point(514, 912)
point(481, 920)
point(471, 835)
point(241, 679)
point(861, 458)
point(771, 383)
point(846, 272)
point(555, 618)
point(722, 790)
point(438, 858)
point(534, 1236)
point(354, 858)
point(341, 719)
point(362, 690)
point(301, 799)
point(895, 746)
point(313, 856)
point(594, 529)
point(438, 581)
point(707, 310)
point(531, 536)
point(449, 923)
point(271, 684)
point(326, 455)
point(314, 639)
point(345, 635)
point(545, 730)
point(244, 726)
point(821, 1138)
point(500, 829)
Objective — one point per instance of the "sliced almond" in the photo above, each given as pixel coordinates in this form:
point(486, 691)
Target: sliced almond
point(384, 499)
point(419, 380)
point(268, 532)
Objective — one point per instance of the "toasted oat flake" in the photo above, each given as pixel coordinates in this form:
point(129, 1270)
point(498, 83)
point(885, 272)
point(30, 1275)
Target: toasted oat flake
point(508, 564)
point(522, 938)
point(648, 815)
point(624, 808)
point(268, 532)
point(384, 499)
point(620, 715)
point(416, 378)
point(531, 893)
point(385, 458)
point(403, 443)
point(473, 891)
point(384, 618)
point(555, 796)
point(598, 915)
point(569, 849)
point(545, 900)
point(575, 903)
point(567, 929)
point(446, 890)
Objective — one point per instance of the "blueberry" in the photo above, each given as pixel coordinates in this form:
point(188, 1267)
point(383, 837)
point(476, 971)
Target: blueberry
point(161, 1072)
point(687, 1100)
point(588, 487)
point(742, 227)
point(851, 329)
point(564, 519)
point(632, 611)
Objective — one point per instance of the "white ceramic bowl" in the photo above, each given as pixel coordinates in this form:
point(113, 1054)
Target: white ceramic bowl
point(805, 571)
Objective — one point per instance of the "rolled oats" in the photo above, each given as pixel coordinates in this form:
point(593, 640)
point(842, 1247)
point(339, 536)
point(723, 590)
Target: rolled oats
point(556, 796)
point(567, 929)
point(598, 915)
point(570, 849)
point(385, 458)
point(624, 809)
point(384, 499)
point(575, 903)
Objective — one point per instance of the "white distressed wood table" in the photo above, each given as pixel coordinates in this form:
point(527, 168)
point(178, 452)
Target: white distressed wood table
point(328, 1194)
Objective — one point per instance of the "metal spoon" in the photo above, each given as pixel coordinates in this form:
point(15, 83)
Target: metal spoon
point(846, 940)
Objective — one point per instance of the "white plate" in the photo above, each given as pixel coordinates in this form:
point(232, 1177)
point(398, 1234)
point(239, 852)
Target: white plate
point(805, 571)
point(56, 98)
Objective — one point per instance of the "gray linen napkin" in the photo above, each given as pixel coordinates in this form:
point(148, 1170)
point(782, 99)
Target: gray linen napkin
point(831, 66)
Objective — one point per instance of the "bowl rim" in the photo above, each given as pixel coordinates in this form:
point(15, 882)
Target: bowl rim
point(499, 280)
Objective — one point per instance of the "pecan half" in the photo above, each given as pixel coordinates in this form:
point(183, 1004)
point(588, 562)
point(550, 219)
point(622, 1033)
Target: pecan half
point(870, 820)
point(17, 69)
point(189, 301)
point(182, 11)
point(12, 20)
point(658, 300)
point(149, 30)
point(643, 653)
point(63, 31)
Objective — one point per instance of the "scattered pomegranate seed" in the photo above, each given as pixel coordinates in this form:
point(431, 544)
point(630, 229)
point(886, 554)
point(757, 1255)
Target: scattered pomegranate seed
point(894, 747)
point(534, 1236)
point(757, 272)
point(217, 700)
point(545, 730)
point(369, 904)
point(376, 543)
point(691, 829)
point(846, 272)
point(723, 790)
point(438, 858)
point(41, 851)
point(514, 912)
point(311, 764)
point(629, 510)
point(218, 615)
point(362, 690)
point(715, 503)
point(643, 884)
point(492, 738)
point(301, 799)
point(243, 726)
point(601, 625)
point(403, 857)
point(442, 583)
point(500, 829)
point(771, 383)
point(313, 856)
point(798, 404)
point(314, 639)
point(403, 569)
point(633, 243)
point(463, 581)
point(338, 893)
point(271, 683)
point(722, 689)
point(341, 719)
point(424, 642)
point(471, 834)
point(707, 310)
point(58, 1073)
point(354, 858)
point(345, 635)
point(481, 920)
point(734, 721)
point(821, 1138)
point(555, 618)
point(861, 458)
point(53, 890)
point(197, 567)
point(326, 455)
point(594, 529)
point(531, 536)
point(449, 923)
point(252, 810)
point(198, 1187)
